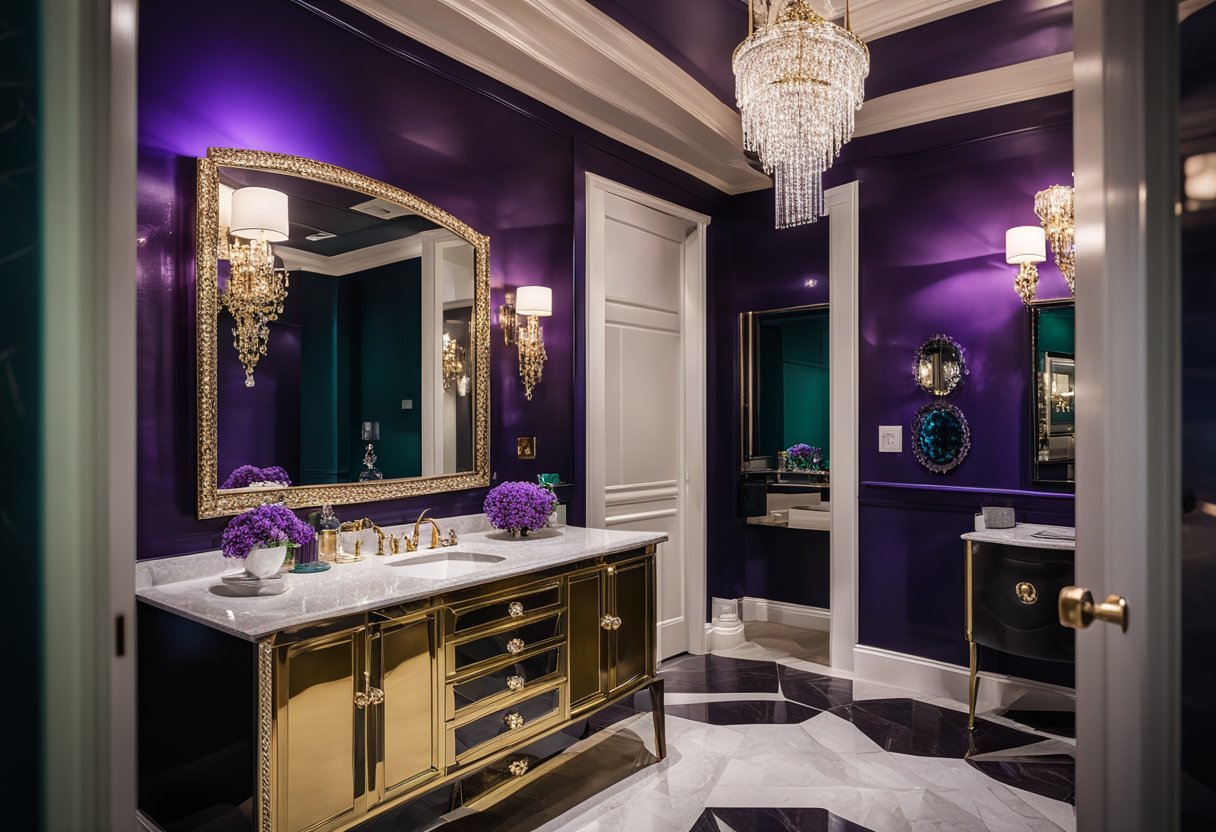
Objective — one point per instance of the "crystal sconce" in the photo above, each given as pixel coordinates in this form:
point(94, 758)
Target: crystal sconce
point(532, 303)
point(454, 373)
point(250, 220)
point(1026, 246)
point(1055, 208)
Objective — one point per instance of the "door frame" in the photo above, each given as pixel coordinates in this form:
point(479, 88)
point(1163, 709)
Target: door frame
point(842, 203)
point(1128, 423)
point(691, 489)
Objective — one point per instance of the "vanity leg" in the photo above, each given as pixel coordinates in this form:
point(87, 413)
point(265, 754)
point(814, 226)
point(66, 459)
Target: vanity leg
point(457, 799)
point(659, 717)
point(972, 690)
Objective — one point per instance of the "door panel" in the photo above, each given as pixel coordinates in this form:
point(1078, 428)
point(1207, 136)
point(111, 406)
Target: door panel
point(406, 666)
point(631, 602)
point(588, 662)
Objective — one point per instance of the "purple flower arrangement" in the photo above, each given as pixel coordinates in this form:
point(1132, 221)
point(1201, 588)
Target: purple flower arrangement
point(519, 507)
point(247, 475)
point(804, 457)
point(264, 527)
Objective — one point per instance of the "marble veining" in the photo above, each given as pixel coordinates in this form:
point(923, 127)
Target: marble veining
point(1023, 535)
point(351, 588)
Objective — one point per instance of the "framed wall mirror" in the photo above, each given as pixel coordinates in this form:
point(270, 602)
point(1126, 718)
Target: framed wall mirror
point(343, 338)
point(1053, 373)
point(940, 365)
point(784, 384)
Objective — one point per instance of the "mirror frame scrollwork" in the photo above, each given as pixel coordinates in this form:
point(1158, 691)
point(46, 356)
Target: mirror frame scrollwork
point(214, 502)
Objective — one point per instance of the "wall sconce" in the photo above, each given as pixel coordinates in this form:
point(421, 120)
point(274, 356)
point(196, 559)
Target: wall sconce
point(507, 319)
point(1026, 245)
point(251, 219)
point(1055, 207)
point(533, 303)
point(453, 366)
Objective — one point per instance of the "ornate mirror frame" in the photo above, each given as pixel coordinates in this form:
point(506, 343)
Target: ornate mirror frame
point(214, 502)
point(940, 343)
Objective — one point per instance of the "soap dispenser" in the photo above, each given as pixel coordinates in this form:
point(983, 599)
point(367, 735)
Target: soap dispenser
point(327, 532)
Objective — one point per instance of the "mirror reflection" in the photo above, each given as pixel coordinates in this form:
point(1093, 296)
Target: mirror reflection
point(785, 388)
point(1053, 373)
point(940, 365)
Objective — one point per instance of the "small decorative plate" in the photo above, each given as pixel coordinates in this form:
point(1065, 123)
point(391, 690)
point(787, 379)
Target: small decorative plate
point(242, 583)
point(941, 437)
point(306, 568)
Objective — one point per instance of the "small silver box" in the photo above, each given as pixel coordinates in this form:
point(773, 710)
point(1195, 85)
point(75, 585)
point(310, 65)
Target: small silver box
point(996, 517)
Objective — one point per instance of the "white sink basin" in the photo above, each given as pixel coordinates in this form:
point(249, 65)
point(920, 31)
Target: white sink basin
point(439, 565)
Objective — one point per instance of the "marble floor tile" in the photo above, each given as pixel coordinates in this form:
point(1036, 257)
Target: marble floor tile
point(909, 726)
point(814, 689)
point(783, 641)
point(744, 712)
point(712, 673)
point(756, 819)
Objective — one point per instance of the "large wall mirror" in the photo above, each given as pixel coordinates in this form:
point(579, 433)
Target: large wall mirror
point(1053, 374)
point(343, 338)
point(784, 384)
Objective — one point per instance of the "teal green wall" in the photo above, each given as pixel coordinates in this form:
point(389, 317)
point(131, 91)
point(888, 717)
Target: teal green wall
point(361, 354)
point(793, 372)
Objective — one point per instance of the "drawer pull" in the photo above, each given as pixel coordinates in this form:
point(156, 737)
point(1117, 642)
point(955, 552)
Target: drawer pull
point(515, 682)
point(515, 646)
point(514, 720)
point(616, 622)
point(606, 622)
point(1026, 592)
point(515, 609)
point(373, 695)
point(518, 768)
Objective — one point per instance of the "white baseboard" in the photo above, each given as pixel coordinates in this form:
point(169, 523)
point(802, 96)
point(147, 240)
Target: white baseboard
point(996, 690)
point(782, 612)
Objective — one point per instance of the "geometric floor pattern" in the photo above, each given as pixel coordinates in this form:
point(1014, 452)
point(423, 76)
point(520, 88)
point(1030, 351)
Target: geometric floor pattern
point(761, 741)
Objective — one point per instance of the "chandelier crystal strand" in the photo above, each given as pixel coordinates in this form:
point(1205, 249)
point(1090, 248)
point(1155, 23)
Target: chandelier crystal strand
point(799, 83)
point(1055, 207)
point(532, 355)
point(254, 297)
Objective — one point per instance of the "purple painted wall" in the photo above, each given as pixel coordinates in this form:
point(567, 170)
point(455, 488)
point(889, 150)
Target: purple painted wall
point(385, 106)
point(935, 202)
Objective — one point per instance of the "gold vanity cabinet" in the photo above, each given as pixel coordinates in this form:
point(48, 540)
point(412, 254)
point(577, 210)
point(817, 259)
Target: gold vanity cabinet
point(317, 754)
point(612, 629)
point(404, 731)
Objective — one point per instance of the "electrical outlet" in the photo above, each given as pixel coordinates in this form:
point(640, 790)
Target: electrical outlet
point(891, 439)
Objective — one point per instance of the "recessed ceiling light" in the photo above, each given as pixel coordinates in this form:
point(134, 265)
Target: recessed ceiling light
point(320, 235)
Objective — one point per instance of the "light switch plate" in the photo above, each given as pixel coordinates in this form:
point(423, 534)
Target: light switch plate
point(890, 439)
point(525, 447)
point(407, 404)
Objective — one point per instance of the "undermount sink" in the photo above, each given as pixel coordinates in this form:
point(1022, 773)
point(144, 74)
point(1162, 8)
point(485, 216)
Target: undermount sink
point(441, 564)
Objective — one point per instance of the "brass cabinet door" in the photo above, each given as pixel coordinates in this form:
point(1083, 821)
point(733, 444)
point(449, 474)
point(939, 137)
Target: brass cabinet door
point(631, 641)
point(404, 739)
point(588, 657)
point(319, 733)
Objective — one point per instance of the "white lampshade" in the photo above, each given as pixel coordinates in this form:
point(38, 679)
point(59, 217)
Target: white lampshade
point(225, 206)
point(1025, 244)
point(534, 300)
point(258, 212)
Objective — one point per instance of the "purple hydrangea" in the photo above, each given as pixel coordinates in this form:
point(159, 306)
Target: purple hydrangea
point(267, 525)
point(519, 505)
point(247, 475)
point(803, 455)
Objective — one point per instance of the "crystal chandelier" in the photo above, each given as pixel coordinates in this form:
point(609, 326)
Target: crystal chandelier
point(799, 81)
point(1055, 209)
point(256, 289)
point(532, 303)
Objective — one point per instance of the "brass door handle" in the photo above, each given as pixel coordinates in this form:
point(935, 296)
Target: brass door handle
point(1078, 610)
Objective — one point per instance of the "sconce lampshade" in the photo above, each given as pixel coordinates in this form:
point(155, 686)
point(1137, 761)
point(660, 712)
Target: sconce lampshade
point(259, 212)
point(1025, 244)
point(534, 300)
point(225, 206)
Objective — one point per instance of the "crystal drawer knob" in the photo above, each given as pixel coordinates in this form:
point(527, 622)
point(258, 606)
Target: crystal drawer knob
point(515, 609)
point(515, 682)
point(514, 720)
point(515, 646)
point(606, 622)
point(518, 768)
point(1026, 592)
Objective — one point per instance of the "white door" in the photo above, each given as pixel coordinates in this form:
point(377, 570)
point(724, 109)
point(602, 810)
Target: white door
point(1128, 415)
point(645, 391)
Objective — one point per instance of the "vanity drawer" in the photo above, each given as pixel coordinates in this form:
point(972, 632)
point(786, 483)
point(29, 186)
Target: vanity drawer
point(526, 602)
point(475, 738)
point(1014, 595)
point(506, 683)
point(489, 648)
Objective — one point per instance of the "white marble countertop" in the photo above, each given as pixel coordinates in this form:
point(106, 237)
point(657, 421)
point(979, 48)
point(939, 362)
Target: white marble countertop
point(175, 584)
point(1023, 535)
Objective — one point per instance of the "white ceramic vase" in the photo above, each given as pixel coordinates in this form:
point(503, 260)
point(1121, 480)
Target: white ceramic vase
point(265, 562)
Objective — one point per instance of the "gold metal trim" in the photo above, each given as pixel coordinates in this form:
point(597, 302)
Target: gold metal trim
point(265, 792)
point(212, 502)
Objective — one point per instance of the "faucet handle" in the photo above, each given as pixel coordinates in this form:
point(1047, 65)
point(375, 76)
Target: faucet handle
point(450, 539)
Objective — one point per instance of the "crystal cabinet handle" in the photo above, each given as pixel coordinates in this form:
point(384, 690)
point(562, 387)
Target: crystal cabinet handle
point(515, 609)
point(515, 683)
point(514, 720)
point(606, 622)
point(515, 646)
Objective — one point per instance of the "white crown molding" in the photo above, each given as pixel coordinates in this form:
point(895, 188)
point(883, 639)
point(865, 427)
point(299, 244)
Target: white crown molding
point(1186, 8)
point(583, 63)
point(873, 19)
point(966, 94)
point(351, 262)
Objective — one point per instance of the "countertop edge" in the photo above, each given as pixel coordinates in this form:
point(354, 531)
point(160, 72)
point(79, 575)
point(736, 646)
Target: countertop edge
point(150, 595)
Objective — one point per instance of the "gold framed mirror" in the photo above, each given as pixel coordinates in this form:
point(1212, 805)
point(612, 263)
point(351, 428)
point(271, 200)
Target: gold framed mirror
point(343, 338)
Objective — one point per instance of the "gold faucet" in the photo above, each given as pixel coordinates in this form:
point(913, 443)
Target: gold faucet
point(411, 543)
point(357, 526)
